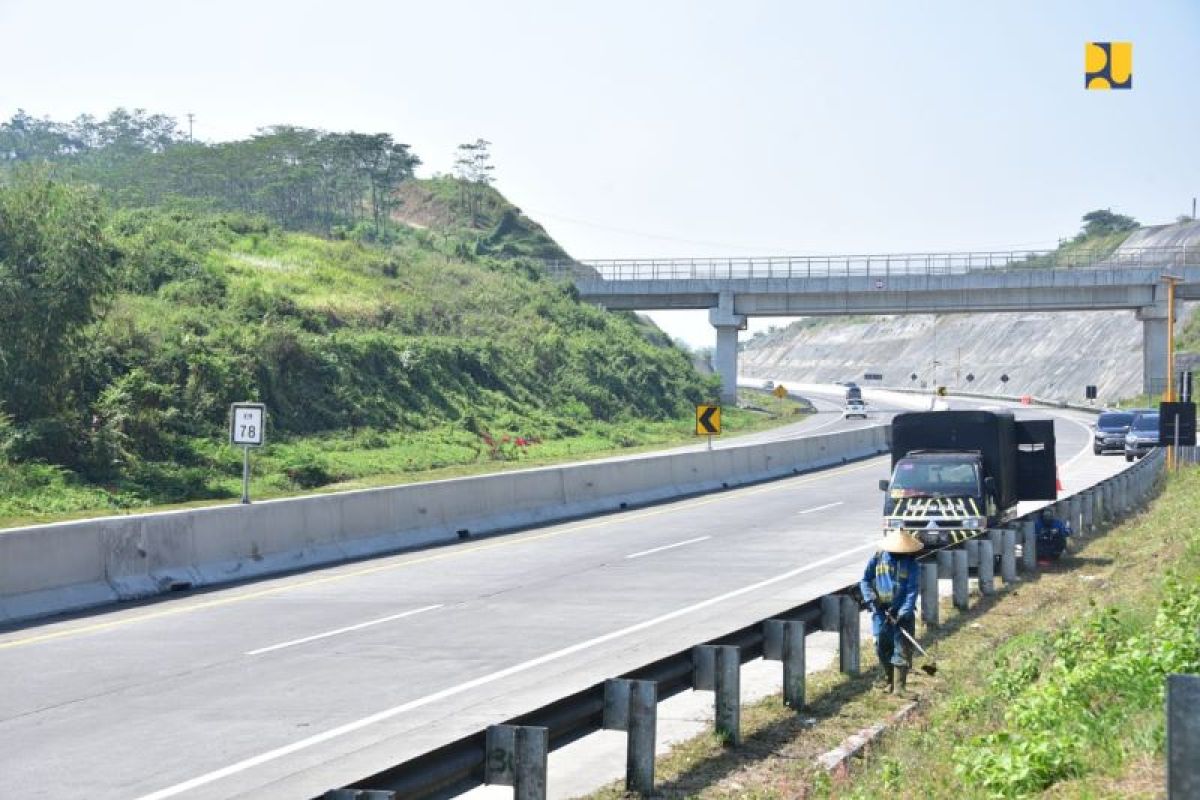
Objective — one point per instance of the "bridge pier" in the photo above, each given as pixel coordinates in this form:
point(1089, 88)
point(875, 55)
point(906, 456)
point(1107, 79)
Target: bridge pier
point(725, 357)
point(1154, 349)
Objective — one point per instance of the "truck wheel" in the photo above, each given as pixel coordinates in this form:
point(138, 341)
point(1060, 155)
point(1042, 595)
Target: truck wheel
point(1128, 457)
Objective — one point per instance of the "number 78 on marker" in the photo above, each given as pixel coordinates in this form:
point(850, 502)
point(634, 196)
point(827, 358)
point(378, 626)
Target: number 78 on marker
point(246, 424)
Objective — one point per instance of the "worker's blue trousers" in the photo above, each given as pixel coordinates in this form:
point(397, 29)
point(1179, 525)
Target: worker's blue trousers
point(890, 644)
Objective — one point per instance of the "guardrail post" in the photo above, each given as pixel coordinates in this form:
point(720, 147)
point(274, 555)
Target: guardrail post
point(1028, 549)
point(987, 567)
point(929, 593)
point(643, 724)
point(945, 564)
point(783, 640)
point(961, 585)
point(632, 706)
point(848, 637)
point(830, 612)
point(1183, 736)
point(1089, 512)
point(533, 754)
point(996, 535)
point(727, 682)
point(972, 553)
point(517, 756)
point(1008, 557)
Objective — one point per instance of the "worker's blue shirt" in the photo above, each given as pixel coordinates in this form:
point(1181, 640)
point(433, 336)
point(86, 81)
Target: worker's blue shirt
point(892, 581)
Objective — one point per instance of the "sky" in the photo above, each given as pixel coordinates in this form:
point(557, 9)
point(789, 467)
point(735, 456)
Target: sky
point(670, 128)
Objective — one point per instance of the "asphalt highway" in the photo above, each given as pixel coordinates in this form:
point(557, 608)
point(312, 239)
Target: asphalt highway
point(289, 686)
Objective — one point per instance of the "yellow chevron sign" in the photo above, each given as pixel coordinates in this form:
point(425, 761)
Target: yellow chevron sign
point(708, 420)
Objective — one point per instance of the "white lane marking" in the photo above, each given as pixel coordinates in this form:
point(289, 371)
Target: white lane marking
point(1087, 440)
point(394, 711)
point(667, 547)
point(346, 629)
point(819, 508)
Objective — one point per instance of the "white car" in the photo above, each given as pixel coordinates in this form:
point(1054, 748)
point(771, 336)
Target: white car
point(855, 408)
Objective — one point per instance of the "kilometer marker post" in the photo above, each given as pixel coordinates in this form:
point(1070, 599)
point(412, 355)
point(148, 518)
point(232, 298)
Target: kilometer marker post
point(247, 422)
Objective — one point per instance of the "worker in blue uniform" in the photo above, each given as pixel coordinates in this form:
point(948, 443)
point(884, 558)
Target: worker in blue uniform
point(1051, 534)
point(889, 587)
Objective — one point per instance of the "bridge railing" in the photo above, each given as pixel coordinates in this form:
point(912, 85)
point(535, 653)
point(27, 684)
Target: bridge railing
point(877, 265)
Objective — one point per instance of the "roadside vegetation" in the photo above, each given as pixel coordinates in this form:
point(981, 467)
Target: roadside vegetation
point(396, 329)
point(1054, 689)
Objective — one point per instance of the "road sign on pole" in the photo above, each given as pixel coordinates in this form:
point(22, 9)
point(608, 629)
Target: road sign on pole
point(247, 423)
point(1177, 424)
point(708, 420)
point(780, 393)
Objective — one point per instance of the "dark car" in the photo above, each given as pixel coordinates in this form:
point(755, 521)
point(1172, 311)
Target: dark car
point(1111, 428)
point(1142, 436)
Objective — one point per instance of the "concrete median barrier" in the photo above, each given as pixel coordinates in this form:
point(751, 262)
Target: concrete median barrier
point(48, 569)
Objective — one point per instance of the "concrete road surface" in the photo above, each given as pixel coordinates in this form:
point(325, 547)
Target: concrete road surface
point(289, 686)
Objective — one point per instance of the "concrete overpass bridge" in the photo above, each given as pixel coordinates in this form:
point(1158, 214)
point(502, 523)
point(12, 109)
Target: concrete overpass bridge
point(734, 289)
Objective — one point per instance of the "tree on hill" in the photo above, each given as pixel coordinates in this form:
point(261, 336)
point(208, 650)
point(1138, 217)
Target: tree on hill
point(1103, 221)
point(56, 271)
point(473, 167)
point(302, 178)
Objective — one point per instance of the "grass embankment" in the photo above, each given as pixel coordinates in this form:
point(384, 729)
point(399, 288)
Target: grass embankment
point(37, 493)
point(1053, 689)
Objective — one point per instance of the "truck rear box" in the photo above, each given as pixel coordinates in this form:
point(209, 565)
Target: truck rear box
point(1018, 456)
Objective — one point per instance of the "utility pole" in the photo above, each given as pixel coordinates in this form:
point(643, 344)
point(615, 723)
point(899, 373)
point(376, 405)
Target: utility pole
point(1171, 280)
point(192, 116)
point(1193, 209)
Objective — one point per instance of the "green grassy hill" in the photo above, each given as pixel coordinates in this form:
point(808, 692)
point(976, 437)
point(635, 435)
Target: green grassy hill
point(379, 351)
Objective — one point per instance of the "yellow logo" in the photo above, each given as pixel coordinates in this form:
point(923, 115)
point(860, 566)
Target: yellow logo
point(1108, 65)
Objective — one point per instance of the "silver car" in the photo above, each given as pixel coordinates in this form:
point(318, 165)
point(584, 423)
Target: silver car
point(1110, 430)
point(1142, 436)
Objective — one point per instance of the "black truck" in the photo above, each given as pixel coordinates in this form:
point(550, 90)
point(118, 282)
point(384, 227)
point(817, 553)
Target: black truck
point(956, 474)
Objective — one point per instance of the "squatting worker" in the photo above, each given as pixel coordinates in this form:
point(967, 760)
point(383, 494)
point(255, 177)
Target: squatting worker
point(1051, 535)
point(889, 586)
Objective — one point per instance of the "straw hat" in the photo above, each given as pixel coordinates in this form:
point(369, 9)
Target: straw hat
point(900, 542)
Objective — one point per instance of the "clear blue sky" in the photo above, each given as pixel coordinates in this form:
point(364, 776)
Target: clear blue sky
point(681, 128)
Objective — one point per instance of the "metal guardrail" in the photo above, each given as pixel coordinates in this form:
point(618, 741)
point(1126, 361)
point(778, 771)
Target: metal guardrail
point(878, 265)
point(465, 763)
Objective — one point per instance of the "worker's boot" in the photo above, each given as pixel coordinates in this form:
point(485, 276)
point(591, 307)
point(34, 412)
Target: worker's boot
point(887, 681)
point(901, 683)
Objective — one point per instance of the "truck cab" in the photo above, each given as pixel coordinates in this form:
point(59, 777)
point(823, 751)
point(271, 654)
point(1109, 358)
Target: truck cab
point(941, 497)
point(956, 474)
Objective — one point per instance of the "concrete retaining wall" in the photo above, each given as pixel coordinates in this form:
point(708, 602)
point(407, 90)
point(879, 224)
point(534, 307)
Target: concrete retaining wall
point(47, 569)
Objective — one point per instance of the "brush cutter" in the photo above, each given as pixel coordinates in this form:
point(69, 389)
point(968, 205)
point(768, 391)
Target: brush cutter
point(930, 668)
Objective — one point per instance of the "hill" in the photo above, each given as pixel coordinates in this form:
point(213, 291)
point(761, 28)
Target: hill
point(420, 340)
